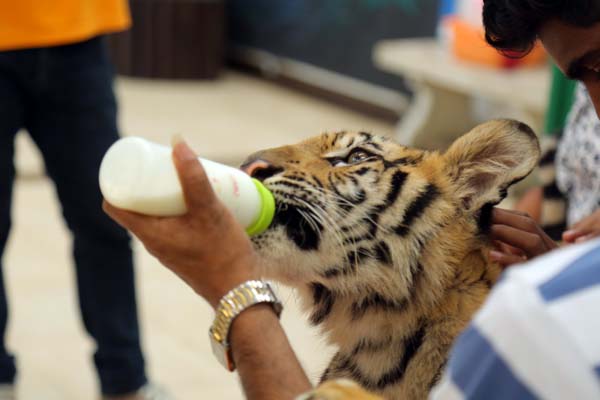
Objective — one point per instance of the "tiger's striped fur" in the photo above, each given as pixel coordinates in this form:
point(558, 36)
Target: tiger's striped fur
point(387, 246)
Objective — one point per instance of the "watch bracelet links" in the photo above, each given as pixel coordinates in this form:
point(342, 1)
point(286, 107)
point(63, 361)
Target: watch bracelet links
point(233, 304)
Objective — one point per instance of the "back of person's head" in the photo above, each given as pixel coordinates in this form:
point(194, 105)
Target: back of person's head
point(513, 25)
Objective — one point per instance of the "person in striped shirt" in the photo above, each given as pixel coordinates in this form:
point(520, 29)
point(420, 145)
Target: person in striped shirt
point(537, 336)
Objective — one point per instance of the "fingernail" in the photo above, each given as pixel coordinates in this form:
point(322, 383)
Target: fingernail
point(495, 255)
point(571, 236)
point(183, 152)
point(176, 139)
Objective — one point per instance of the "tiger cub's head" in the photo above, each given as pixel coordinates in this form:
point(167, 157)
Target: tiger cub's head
point(355, 209)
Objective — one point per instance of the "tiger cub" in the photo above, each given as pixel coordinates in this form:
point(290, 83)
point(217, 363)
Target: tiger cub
point(386, 245)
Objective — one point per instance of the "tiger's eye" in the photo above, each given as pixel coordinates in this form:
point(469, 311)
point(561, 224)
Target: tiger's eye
point(358, 156)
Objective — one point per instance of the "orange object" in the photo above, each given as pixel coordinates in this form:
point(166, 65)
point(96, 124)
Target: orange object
point(468, 43)
point(43, 23)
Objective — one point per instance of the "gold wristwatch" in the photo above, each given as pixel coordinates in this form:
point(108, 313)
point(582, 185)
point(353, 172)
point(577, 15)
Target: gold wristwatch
point(230, 306)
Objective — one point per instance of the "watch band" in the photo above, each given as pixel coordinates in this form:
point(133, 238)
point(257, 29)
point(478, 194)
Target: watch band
point(230, 306)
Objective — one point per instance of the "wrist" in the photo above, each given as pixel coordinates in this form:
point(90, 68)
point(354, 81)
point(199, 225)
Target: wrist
point(212, 288)
point(251, 323)
point(235, 303)
point(214, 295)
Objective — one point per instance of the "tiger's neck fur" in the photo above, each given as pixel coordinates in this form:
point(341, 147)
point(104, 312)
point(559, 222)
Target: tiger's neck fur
point(383, 334)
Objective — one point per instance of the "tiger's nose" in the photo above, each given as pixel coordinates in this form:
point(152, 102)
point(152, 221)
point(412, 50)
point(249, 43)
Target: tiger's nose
point(260, 169)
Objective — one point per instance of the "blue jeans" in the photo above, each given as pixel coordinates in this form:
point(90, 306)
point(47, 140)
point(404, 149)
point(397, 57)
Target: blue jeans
point(63, 97)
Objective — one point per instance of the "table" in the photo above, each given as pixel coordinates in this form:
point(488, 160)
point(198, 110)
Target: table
point(442, 107)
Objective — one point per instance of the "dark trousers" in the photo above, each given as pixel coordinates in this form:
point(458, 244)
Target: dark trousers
point(63, 96)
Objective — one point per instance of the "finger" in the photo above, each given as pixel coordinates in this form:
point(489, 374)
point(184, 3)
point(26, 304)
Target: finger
point(584, 224)
point(572, 235)
point(506, 259)
point(515, 251)
point(515, 219)
point(504, 212)
point(530, 243)
point(590, 236)
point(127, 219)
point(194, 181)
point(584, 227)
point(506, 248)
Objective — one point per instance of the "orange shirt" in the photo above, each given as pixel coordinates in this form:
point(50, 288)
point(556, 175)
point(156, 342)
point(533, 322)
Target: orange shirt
point(43, 23)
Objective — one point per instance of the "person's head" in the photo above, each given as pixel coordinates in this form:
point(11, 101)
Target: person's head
point(568, 29)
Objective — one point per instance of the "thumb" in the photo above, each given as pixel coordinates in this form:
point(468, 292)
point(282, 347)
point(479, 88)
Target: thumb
point(196, 187)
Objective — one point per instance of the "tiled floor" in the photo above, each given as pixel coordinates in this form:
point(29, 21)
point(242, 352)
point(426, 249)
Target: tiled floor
point(223, 120)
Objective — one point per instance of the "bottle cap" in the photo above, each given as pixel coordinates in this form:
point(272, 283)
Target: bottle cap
point(267, 213)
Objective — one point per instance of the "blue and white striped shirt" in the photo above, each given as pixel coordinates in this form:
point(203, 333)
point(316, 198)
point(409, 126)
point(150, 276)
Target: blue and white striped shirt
point(537, 335)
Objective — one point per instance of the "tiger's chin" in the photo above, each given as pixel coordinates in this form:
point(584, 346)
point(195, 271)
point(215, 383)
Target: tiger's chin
point(282, 260)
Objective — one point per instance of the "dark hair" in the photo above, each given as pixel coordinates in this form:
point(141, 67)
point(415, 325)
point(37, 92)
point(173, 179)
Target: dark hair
point(512, 26)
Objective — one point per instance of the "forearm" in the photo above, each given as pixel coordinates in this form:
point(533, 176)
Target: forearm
point(264, 358)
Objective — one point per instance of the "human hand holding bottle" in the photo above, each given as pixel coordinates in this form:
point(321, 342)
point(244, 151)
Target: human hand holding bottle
point(206, 246)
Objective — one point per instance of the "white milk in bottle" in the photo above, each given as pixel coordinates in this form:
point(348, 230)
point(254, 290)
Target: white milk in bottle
point(138, 175)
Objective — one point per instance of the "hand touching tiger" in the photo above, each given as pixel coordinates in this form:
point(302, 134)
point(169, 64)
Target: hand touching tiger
point(186, 244)
point(518, 237)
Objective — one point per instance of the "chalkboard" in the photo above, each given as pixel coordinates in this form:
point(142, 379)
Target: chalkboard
point(337, 35)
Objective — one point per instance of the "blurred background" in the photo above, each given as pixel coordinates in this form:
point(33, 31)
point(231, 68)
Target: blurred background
point(235, 76)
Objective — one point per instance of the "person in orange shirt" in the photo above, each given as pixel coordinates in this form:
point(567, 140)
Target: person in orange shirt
point(56, 82)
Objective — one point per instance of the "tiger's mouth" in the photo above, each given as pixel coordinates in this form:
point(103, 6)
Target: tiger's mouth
point(298, 222)
point(309, 215)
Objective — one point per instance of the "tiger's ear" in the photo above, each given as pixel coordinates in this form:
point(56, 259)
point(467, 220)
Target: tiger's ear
point(489, 159)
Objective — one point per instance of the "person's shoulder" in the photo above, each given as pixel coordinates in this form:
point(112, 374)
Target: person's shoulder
point(549, 270)
point(535, 337)
point(560, 282)
point(543, 315)
point(581, 274)
point(531, 289)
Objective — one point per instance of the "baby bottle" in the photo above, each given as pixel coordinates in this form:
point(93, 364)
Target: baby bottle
point(138, 175)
